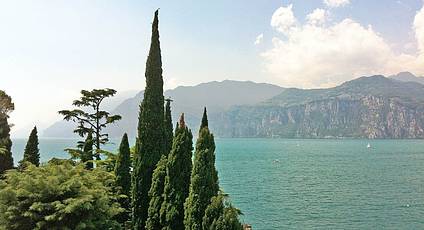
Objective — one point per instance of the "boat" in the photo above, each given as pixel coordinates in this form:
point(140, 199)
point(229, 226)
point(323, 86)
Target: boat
point(368, 146)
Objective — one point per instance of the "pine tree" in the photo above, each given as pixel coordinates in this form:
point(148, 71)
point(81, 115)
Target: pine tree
point(90, 117)
point(123, 177)
point(31, 153)
point(6, 159)
point(155, 220)
point(123, 166)
point(150, 141)
point(169, 135)
point(177, 180)
point(87, 152)
point(204, 178)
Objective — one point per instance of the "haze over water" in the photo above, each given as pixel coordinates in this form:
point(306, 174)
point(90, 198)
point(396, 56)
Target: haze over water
point(304, 184)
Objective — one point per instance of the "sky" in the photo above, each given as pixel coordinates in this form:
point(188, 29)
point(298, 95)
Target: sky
point(50, 50)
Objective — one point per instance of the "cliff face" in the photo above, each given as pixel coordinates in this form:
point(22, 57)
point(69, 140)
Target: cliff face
point(329, 113)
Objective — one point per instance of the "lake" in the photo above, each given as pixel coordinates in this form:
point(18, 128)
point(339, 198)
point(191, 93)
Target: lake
point(312, 184)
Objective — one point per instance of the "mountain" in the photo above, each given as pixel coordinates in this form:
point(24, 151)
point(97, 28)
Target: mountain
point(367, 107)
point(407, 77)
point(216, 96)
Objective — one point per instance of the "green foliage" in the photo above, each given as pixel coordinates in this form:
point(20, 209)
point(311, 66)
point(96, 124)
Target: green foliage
point(108, 164)
point(155, 220)
point(58, 196)
point(6, 159)
point(123, 167)
point(204, 119)
point(95, 120)
point(177, 180)
point(58, 161)
point(169, 135)
point(87, 151)
point(6, 104)
point(84, 152)
point(221, 215)
point(204, 179)
point(151, 135)
point(123, 177)
point(31, 153)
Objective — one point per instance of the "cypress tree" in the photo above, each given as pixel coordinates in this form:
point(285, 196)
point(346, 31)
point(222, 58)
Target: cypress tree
point(123, 165)
point(155, 220)
point(213, 212)
point(31, 153)
point(123, 177)
point(87, 152)
point(6, 159)
point(177, 180)
point(204, 178)
point(168, 127)
point(204, 119)
point(221, 215)
point(150, 141)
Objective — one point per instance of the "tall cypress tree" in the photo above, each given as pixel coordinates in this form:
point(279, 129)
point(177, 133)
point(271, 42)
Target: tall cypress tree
point(150, 141)
point(6, 159)
point(177, 180)
point(204, 178)
point(123, 177)
point(87, 151)
point(32, 153)
point(123, 166)
point(155, 220)
point(168, 127)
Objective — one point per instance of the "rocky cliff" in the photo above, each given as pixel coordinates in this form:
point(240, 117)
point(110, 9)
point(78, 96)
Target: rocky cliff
point(369, 107)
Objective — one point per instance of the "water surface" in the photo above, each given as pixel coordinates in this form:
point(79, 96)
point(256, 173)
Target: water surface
point(313, 184)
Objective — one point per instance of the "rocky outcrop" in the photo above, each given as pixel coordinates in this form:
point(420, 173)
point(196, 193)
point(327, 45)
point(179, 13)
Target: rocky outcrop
point(341, 115)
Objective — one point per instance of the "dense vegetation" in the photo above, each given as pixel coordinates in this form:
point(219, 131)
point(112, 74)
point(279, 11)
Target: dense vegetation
point(57, 196)
point(156, 186)
point(6, 159)
point(204, 178)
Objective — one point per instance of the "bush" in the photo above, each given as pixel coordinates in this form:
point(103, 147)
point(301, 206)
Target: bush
point(58, 196)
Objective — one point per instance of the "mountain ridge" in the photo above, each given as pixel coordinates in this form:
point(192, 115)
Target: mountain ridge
point(366, 107)
point(217, 96)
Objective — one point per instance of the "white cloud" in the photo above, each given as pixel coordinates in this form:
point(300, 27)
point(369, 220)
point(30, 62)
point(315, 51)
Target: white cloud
point(259, 39)
point(317, 17)
point(419, 29)
point(320, 55)
point(336, 3)
point(283, 19)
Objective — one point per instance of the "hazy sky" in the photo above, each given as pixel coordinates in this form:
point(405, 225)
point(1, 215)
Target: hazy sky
point(50, 50)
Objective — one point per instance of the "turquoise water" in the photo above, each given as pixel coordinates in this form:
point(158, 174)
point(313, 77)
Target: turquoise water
point(314, 184)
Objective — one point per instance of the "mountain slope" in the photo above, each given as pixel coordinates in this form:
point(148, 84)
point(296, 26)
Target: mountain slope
point(217, 96)
point(407, 77)
point(368, 107)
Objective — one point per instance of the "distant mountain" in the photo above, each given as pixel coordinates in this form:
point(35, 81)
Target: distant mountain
point(368, 107)
point(216, 96)
point(407, 77)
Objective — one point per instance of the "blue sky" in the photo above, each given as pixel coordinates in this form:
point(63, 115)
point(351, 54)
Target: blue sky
point(52, 49)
